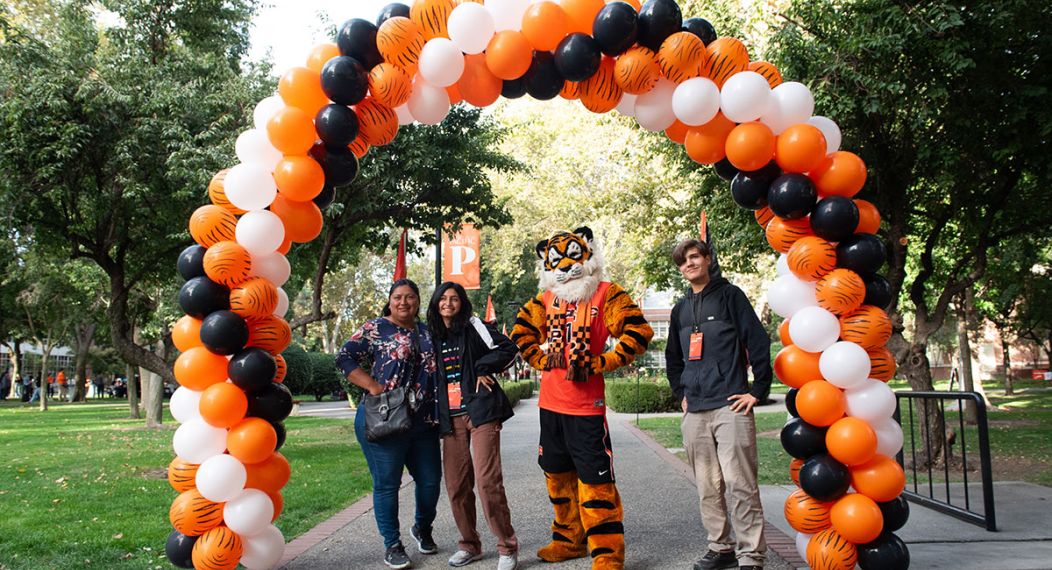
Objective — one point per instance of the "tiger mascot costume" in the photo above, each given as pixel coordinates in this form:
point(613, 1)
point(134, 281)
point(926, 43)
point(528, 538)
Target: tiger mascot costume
point(562, 332)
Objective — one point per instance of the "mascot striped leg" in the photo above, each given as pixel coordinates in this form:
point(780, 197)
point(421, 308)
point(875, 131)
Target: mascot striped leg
point(568, 540)
point(602, 515)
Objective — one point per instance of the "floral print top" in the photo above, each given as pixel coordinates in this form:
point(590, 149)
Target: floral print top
point(395, 356)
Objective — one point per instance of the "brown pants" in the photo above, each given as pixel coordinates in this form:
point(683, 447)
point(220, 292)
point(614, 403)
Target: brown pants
point(721, 449)
point(472, 454)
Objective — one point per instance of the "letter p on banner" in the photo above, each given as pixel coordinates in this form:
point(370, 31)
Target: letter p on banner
point(461, 255)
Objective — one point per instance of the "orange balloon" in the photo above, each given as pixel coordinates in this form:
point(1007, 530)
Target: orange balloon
point(682, 56)
point(186, 333)
point(571, 91)
point(210, 225)
point(677, 133)
point(228, 263)
point(257, 296)
point(783, 333)
point(868, 218)
point(768, 71)
point(399, 41)
point(477, 84)
point(725, 56)
point(581, 14)
point(795, 367)
point(800, 148)
point(299, 178)
point(431, 16)
point(283, 368)
point(454, 94)
point(820, 403)
point(881, 478)
point(811, 257)
point(194, 515)
point(279, 504)
point(840, 174)
point(359, 147)
point(794, 470)
point(805, 513)
point(182, 475)
point(390, 85)
point(320, 55)
point(750, 146)
point(851, 441)
point(764, 216)
point(509, 55)
point(285, 246)
point(199, 368)
point(303, 220)
point(252, 440)
point(269, 332)
point(217, 193)
point(840, 291)
point(707, 144)
point(291, 131)
point(377, 123)
point(866, 326)
point(301, 87)
point(223, 405)
point(782, 233)
point(882, 365)
point(830, 551)
point(217, 549)
point(637, 70)
point(857, 518)
point(544, 25)
point(269, 475)
point(600, 93)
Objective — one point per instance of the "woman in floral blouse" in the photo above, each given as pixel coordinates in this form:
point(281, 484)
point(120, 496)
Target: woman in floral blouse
point(386, 353)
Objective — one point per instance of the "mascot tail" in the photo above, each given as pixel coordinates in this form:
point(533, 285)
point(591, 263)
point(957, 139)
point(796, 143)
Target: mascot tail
point(568, 539)
point(601, 515)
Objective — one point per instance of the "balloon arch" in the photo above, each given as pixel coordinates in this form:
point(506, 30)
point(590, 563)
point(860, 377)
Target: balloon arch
point(671, 75)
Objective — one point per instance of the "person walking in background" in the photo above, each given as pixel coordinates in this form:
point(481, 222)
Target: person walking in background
point(472, 407)
point(389, 353)
point(60, 381)
point(51, 385)
point(5, 384)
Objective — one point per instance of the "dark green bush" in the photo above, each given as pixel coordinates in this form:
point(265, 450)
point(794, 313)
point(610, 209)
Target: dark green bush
point(300, 370)
point(628, 397)
point(325, 378)
point(518, 390)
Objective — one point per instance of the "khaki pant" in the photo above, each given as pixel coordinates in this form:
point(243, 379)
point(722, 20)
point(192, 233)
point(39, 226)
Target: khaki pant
point(469, 455)
point(721, 449)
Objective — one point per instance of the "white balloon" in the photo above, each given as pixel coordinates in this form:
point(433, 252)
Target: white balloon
point(441, 63)
point(253, 147)
point(260, 232)
point(889, 436)
point(404, 116)
point(745, 97)
point(264, 550)
point(627, 105)
point(248, 512)
point(696, 101)
point(507, 14)
point(782, 266)
point(830, 130)
point(428, 104)
point(471, 27)
point(788, 294)
point(814, 329)
point(274, 267)
point(801, 544)
point(184, 403)
point(250, 186)
point(872, 400)
point(654, 108)
point(266, 109)
point(221, 478)
point(845, 365)
point(283, 303)
point(196, 441)
point(791, 103)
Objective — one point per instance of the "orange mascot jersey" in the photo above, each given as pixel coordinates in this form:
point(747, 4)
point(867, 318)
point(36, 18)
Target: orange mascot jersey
point(578, 398)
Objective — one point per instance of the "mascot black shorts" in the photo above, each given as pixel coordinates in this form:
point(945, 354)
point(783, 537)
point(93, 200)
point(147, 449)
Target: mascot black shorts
point(576, 443)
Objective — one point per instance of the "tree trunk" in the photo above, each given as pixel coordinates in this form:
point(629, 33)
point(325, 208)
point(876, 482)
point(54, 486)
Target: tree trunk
point(1006, 361)
point(917, 369)
point(152, 397)
point(133, 392)
point(45, 353)
point(122, 331)
point(16, 366)
point(964, 355)
point(83, 336)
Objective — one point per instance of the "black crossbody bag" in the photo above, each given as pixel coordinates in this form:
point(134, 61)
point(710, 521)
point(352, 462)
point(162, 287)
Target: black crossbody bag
point(390, 413)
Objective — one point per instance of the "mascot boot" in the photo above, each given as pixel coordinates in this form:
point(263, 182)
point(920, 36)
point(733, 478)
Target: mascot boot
point(601, 515)
point(567, 533)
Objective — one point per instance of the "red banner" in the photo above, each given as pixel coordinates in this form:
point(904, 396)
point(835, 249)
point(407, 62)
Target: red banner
point(460, 257)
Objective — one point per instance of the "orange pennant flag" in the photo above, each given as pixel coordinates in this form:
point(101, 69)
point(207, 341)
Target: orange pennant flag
point(400, 269)
point(491, 313)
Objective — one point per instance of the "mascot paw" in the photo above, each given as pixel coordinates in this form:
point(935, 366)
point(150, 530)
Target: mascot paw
point(557, 551)
point(607, 564)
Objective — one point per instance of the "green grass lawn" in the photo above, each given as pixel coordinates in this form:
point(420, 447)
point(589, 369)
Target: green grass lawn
point(84, 486)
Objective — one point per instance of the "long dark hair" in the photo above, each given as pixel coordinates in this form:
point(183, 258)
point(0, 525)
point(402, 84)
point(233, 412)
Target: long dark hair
point(460, 320)
point(408, 283)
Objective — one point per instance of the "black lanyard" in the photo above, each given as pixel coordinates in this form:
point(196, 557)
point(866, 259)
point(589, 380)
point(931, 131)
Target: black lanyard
point(695, 319)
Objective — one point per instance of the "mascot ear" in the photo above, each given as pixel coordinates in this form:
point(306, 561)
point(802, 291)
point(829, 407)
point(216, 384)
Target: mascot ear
point(542, 248)
point(585, 232)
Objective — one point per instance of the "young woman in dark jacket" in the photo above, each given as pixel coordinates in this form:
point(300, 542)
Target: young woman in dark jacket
point(471, 409)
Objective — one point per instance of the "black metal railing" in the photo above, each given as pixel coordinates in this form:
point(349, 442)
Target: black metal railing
point(915, 488)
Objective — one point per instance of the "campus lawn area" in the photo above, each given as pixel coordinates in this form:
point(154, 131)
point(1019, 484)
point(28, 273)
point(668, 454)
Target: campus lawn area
point(81, 485)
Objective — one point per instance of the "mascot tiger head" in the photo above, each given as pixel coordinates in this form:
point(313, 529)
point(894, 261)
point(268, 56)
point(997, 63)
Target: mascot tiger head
point(571, 264)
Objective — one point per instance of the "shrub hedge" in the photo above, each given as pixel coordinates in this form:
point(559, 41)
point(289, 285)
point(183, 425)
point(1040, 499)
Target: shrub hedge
point(518, 390)
point(647, 396)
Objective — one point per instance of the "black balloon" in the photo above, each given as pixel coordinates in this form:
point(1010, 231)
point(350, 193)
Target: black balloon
point(702, 28)
point(896, 512)
point(824, 478)
point(395, 10)
point(862, 253)
point(326, 197)
point(179, 548)
point(790, 402)
point(191, 262)
point(224, 332)
point(834, 218)
point(725, 170)
point(615, 28)
point(802, 440)
point(344, 80)
point(200, 296)
point(577, 57)
point(279, 428)
point(273, 402)
point(658, 19)
point(252, 369)
point(513, 88)
point(887, 552)
point(337, 125)
point(749, 189)
point(878, 291)
point(357, 38)
point(338, 162)
point(543, 80)
point(792, 196)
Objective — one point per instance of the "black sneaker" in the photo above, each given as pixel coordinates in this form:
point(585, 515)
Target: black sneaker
point(716, 561)
point(396, 557)
point(423, 539)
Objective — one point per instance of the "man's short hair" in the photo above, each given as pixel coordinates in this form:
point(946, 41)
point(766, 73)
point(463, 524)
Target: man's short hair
point(679, 253)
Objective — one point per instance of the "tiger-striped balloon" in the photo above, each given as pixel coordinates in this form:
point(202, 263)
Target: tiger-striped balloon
point(805, 513)
point(840, 291)
point(269, 332)
point(726, 56)
point(182, 474)
point(600, 92)
point(283, 368)
point(212, 224)
point(882, 364)
point(400, 42)
point(571, 90)
point(359, 147)
point(218, 549)
point(811, 257)
point(783, 233)
point(866, 326)
point(682, 56)
point(194, 515)
point(830, 551)
point(794, 470)
point(432, 17)
point(768, 71)
point(378, 123)
point(217, 193)
point(227, 263)
point(763, 216)
point(390, 85)
point(256, 296)
point(637, 70)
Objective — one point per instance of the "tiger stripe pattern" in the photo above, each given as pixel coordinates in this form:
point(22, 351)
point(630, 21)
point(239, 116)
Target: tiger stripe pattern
point(227, 263)
point(571, 90)
point(431, 16)
point(682, 56)
point(378, 123)
point(283, 368)
point(637, 70)
point(399, 41)
point(726, 56)
point(840, 292)
point(811, 258)
point(389, 85)
point(212, 224)
point(600, 92)
point(359, 147)
point(828, 550)
point(882, 365)
point(257, 296)
point(763, 216)
point(794, 470)
point(866, 326)
point(194, 515)
point(218, 549)
point(182, 474)
point(805, 513)
point(217, 193)
point(269, 332)
point(782, 233)
point(768, 71)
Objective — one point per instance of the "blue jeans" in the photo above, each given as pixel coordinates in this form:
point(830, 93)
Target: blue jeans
point(419, 451)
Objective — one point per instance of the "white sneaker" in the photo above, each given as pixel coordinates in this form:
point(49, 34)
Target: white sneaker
point(508, 562)
point(463, 558)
